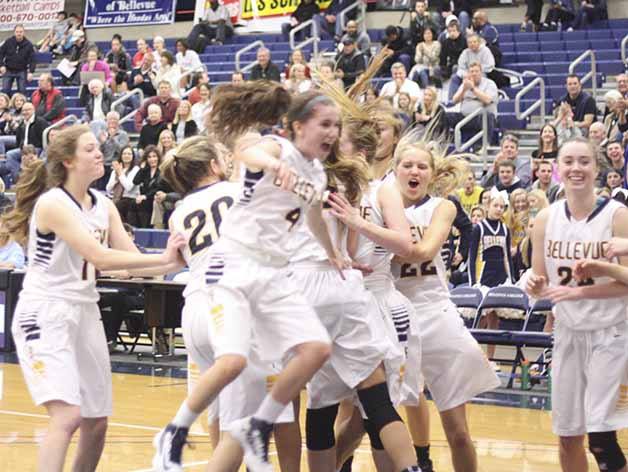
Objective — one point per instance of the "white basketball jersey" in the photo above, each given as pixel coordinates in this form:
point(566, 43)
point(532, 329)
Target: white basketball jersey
point(369, 253)
point(307, 247)
point(264, 218)
point(566, 242)
point(199, 217)
point(55, 270)
point(424, 283)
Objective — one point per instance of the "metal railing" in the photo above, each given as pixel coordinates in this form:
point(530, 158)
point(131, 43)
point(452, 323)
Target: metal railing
point(58, 124)
point(592, 74)
point(187, 73)
point(254, 45)
point(540, 103)
point(624, 45)
point(361, 18)
point(482, 134)
point(313, 39)
point(124, 98)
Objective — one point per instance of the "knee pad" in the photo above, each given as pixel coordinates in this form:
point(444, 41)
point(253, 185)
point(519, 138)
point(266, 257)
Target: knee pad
point(376, 442)
point(378, 407)
point(606, 450)
point(319, 428)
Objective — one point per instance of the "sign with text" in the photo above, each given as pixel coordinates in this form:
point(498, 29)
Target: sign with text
point(33, 14)
point(265, 8)
point(102, 13)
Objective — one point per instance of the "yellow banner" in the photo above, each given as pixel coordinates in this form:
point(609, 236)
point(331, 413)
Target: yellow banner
point(267, 8)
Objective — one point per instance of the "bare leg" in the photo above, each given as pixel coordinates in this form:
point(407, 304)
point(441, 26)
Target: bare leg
point(573, 457)
point(214, 433)
point(382, 461)
point(492, 321)
point(349, 435)
point(463, 453)
point(288, 442)
point(65, 419)
point(419, 422)
point(227, 457)
point(90, 445)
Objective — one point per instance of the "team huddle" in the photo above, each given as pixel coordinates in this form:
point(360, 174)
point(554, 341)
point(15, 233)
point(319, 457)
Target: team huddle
point(314, 259)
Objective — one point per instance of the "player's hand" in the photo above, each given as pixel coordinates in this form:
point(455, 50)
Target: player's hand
point(536, 285)
point(285, 177)
point(563, 293)
point(617, 247)
point(340, 263)
point(343, 211)
point(176, 241)
point(364, 268)
point(589, 269)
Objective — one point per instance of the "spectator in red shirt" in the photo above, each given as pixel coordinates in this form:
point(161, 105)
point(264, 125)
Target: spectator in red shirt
point(142, 50)
point(166, 102)
point(48, 100)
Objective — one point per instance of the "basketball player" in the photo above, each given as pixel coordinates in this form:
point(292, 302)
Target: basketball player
point(57, 325)
point(590, 359)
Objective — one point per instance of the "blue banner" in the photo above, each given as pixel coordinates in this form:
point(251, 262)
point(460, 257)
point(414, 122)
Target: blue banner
point(100, 13)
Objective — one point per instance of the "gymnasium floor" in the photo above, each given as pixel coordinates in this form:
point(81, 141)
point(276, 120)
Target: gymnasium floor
point(512, 432)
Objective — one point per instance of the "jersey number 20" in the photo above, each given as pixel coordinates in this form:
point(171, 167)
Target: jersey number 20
point(197, 222)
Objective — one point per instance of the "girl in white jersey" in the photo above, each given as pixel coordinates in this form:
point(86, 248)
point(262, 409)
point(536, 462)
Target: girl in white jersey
point(590, 358)
point(57, 328)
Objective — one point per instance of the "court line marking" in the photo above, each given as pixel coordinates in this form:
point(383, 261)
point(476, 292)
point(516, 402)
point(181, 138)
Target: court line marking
point(111, 423)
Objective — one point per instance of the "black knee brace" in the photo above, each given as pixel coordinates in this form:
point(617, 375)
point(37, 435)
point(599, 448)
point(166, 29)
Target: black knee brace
point(607, 452)
point(319, 428)
point(376, 442)
point(378, 407)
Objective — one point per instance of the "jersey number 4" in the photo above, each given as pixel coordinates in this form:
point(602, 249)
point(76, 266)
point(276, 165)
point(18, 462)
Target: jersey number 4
point(204, 235)
point(412, 270)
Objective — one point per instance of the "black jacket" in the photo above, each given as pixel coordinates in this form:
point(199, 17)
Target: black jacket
point(459, 5)
point(147, 85)
point(190, 128)
point(352, 66)
point(399, 45)
point(122, 60)
point(306, 11)
point(18, 56)
point(270, 73)
point(150, 134)
point(451, 50)
point(89, 100)
point(148, 186)
point(35, 133)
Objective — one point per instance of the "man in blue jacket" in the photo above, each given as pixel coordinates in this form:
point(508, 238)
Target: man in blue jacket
point(17, 61)
point(329, 21)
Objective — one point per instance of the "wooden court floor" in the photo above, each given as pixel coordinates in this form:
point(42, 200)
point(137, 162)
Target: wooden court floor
point(507, 439)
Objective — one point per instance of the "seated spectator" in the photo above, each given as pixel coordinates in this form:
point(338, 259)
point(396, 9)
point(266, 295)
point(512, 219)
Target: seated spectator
point(475, 53)
point(469, 193)
point(159, 46)
point(488, 33)
point(167, 142)
point(475, 92)
point(93, 64)
point(265, 69)
point(537, 198)
point(149, 135)
point(420, 20)
point(507, 178)
point(509, 151)
point(326, 70)
point(460, 8)
point(614, 155)
point(119, 62)
point(237, 78)
point(616, 117)
point(403, 108)
point(590, 11)
point(298, 82)
point(169, 72)
point(350, 63)
point(11, 253)
point(361, 38)
point(400, 83)
point(142, 77)
point(121, 187)
point(430, 114)
point(328, 22)
point(477, 213)
point(48, 100)
point(622, 88)
point(532, 18)
point(29, 155)
point(613, 179)
point(77, 55)
point(112, 140)
point(581, 103)
point(451, 49)
point(565, 124)
point(370, 95)
point(187, 59)
point(305, 11)
point(163, 205)
point(97, 101)
point(560, 14)
point(215, 26)
point(143, 50)
point(597, 134)
point(75, 23)
point(7, 135)
point(427, 60)
point(30, 131)
point(54, 39)
point(296, 57)
point(148, 180)
point(198, 78)
point(201, 108)
point(395, 40)
point(548, 144)
point(517, 217)
point(164, 100)
point(183, 126)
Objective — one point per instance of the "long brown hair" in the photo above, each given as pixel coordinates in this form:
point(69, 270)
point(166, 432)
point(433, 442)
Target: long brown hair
point(189, 163)
point(35, 179)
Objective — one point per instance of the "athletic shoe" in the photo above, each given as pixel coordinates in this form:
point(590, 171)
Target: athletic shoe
point(427, 466)
point(495, 366)
point(169, 444)
point(254, 436)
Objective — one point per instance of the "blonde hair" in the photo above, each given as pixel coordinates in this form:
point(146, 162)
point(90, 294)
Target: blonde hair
point(541, 198)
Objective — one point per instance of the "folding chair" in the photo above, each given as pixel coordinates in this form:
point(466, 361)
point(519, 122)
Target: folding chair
point(468, 298)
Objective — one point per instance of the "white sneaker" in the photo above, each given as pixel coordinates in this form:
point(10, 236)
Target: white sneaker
point(495, 366)
point(168, 445)
point(254, 436)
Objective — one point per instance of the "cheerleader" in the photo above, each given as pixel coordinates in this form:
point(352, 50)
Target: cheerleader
point(57, 325)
